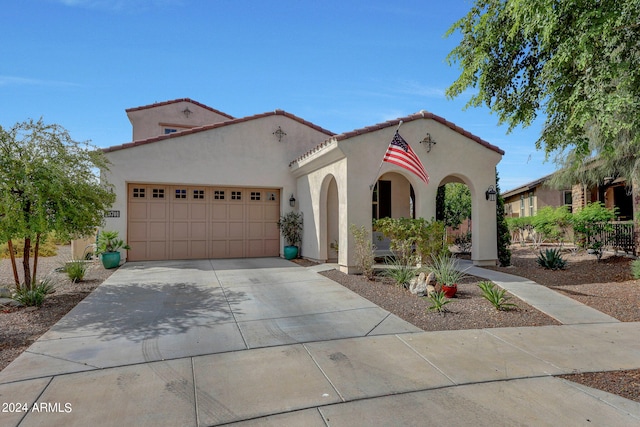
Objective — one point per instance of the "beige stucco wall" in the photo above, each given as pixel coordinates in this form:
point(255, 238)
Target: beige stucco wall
point(355, 163)
point(147, 122)
point(243, 154)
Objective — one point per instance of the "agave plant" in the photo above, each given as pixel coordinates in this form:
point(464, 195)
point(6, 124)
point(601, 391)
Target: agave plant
point(551, 259)
point(495, 296)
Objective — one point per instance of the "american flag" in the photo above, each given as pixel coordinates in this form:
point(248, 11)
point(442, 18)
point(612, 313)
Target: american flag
point(399, 153)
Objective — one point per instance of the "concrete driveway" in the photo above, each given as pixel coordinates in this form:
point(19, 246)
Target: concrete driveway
point(267, 342)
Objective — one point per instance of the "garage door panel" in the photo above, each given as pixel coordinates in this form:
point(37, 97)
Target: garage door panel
point(272, 246)
point(182, 222)
point(218, 249)
point(256, 230)
point(137, 231)
point(236, 230)
point(198, 230)
point(157, 250)
point(256, 213)
point(198, 249)
point(179, 249)
point(157, 211)
point(271, 231)
point(219, 212)
point(236, 249)
point(219, 230)
point(271, 213)
point(179, 230)
point(236, 212)
point(255, 247)
point(137, 211)
point(198, 212)
point(157, 231)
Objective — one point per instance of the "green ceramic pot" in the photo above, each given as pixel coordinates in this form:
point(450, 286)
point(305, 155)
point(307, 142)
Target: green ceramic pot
point(290, 252)
point(110, 259)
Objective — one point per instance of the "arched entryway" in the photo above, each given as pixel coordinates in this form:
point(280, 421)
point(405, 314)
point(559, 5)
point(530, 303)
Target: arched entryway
point(393, 197)
point(333, 221)
point(454, 207)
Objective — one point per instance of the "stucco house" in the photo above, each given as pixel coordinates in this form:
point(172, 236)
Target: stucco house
point(527, 199)
point(199, 183)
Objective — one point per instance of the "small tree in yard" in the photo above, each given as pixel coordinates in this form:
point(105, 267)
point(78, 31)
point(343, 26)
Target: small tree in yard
point(552, 223)
point(504, 236)
point(588, 222)
point(47, 184)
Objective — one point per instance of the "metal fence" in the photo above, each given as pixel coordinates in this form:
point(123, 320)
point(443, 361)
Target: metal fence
point(615, 235)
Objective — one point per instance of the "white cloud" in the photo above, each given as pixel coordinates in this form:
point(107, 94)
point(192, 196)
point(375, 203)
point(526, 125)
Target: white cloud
point(26, 81)
point(415, 88)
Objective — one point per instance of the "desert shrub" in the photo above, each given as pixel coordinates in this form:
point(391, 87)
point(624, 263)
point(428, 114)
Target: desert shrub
point(551, 259)
point(46, 248)
point(399, 272)
point(520, 227)
point(552, 223)
point(463, 242)
point(635, 269)
point(445, 268)
point(438, 302)
point(76, 269)
point(364, 250)
point(495, 295)
point(590, 221)
point(34, 296)
point(409, 236)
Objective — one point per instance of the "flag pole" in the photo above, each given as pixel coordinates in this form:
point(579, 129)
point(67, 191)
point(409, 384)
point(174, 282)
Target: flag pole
point(375, 178)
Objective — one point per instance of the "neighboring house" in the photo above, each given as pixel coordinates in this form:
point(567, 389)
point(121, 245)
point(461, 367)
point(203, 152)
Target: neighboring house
point(527, 199)
point(614, 193)
point(198, 183)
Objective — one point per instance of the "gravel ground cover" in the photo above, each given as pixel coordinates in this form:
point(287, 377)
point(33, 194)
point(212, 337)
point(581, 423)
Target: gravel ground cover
point(606, 286)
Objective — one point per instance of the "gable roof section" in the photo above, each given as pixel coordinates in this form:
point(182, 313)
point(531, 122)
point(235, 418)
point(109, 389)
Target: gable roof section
point(389, 123)
point(175, 101)
point(216, 126)
point(528, 186)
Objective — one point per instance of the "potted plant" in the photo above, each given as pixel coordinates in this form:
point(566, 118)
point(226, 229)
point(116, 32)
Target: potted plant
point(108, 247)
point(445, 269)
point(290, 226)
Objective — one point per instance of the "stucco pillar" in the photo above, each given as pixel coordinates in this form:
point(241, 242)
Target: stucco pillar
point(484, 250)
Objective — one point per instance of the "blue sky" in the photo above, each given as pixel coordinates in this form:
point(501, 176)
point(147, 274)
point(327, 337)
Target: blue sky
point(339, 64)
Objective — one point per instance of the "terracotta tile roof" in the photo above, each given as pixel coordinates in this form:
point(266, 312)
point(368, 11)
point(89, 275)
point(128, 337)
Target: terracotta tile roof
point(174, 101)
point(390, 123)
point(215, 126)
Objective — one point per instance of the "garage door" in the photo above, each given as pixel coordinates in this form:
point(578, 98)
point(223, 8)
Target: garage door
point(193, 222)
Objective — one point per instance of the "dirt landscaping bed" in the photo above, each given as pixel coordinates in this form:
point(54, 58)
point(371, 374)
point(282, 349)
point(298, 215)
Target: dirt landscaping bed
point(607, 286)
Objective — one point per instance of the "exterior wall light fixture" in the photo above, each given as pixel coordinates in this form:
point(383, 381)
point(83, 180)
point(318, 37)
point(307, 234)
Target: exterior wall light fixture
point(490, 194)
point(186, 112)
point(292, 201)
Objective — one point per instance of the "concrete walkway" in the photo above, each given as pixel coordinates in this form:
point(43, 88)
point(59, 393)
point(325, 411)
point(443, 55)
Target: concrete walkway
point(266, 342)
point(562, 308)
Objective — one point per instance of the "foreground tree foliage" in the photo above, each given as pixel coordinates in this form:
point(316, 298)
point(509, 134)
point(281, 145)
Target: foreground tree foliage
point(47, 184)
point(575, 62)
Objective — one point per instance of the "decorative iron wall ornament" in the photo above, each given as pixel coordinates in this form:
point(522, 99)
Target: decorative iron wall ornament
point(279, 133)
point(428, 141)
